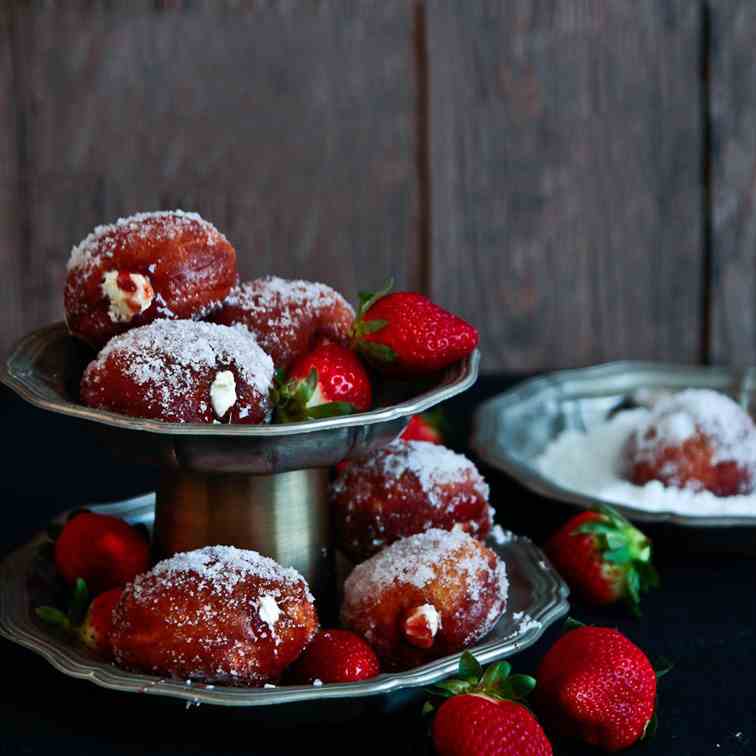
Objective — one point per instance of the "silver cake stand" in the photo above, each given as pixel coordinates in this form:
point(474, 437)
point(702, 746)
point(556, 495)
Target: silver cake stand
point(261, 487)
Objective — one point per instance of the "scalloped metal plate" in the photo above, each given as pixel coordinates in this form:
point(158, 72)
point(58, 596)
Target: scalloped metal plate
point(538, 597)
point(45, 368)
point(512, 429)
point(42, 365)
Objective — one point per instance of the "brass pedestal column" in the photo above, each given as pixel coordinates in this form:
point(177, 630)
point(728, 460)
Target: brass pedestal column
point(283, 516)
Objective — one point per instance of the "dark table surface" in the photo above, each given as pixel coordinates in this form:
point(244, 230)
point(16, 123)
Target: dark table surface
point(703, 619)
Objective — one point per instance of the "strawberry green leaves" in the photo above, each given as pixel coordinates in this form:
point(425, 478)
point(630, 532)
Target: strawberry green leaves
point(292, 398)
point(622, 546)
point(371, 349)
point(77, 608)
point(496, 682)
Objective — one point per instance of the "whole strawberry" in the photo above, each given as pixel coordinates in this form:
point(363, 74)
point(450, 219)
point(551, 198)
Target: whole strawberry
point(97, 626)
point(328, 381)
point(335, 656)
point(404, 333)
point(603, 558)
point(91, 622)
point(104, 551)
point(596, 685)
point(482, 715)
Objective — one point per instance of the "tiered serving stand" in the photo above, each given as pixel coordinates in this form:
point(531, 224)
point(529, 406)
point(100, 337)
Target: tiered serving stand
point(260, 487)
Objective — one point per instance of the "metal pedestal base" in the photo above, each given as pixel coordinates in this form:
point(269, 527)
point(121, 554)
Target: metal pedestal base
point(283, 516)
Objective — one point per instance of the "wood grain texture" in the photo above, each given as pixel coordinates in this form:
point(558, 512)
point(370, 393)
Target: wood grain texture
point(732, 70)
point(566, 201)
point(290, 125)
point(11, 191)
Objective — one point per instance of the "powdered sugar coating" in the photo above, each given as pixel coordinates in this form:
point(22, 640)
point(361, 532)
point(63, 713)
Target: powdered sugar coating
point(593, 463)
point(169, 363)
point(219, 568)
point(464, 581)
point(405, 488)
point(180, 265)
point(215, 614)
point(158, 226)
point(286, 315)
point(677, 418)
point(433, 465)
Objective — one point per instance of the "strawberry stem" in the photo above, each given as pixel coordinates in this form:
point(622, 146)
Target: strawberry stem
point(495, 681)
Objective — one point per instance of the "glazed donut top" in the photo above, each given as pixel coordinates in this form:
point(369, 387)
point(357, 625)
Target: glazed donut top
point(433, 465)
point(675, 419)
point(415, 561)
point(165, 356)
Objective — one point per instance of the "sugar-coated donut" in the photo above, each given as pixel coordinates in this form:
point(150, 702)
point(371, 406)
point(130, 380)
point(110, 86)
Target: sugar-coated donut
point(151, 265)
point(182, 371)
point(405, 488)
point(217, 614)
point(425, 596)
point(287, 317)
point(697, 439)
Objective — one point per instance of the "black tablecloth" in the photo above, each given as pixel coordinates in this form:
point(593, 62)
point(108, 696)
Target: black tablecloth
point(703, 619)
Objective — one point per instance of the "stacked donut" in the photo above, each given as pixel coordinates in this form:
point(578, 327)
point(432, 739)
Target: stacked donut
point(139, 290)
point(180, 340)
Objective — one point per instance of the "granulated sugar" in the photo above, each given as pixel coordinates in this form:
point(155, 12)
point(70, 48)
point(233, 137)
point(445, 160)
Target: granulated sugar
point(591, 463)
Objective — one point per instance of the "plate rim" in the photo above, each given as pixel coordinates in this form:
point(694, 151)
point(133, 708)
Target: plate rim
point(464, 376)
point(527, 475)
point(18, 626)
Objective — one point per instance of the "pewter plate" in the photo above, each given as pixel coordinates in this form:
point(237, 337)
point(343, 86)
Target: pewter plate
point(512, 429)
point(45, 368)
point(538, 597)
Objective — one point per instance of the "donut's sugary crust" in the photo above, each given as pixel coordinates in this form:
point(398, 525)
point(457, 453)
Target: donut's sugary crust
point(287, 316)
point(406, 488)
point(697, 439)
point(166, 371)
point(189, 264)
point(216, 615)
point(464, 582)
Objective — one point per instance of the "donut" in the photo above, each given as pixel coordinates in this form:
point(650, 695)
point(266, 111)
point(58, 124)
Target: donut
point(151, 265)
point(697, 440)
point(182, 371)
point(288, 317)
point(217, 614)
point(426, 596)
point(405, 488)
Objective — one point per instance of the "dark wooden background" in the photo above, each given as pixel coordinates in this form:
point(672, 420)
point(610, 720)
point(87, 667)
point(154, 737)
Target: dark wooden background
point(576, 177)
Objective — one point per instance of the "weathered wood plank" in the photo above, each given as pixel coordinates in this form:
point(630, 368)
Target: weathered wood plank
point(732, 72)
point(11, 222)
point(289, 125)
point(566, 198)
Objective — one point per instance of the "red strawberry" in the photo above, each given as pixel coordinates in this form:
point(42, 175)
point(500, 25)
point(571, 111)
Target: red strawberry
point(603, 558)
point(328, 381)
point(98, 623)
point(92, 625)
point(335, 656)
point(596, 685)
point(422, 428)
point(405, 333)
point(105, 551)
point(483, 717)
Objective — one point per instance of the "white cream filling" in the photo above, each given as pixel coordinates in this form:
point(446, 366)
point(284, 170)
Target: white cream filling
point(268, 611)
point(124, 305)
point(432, 617)
point(223, 392)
